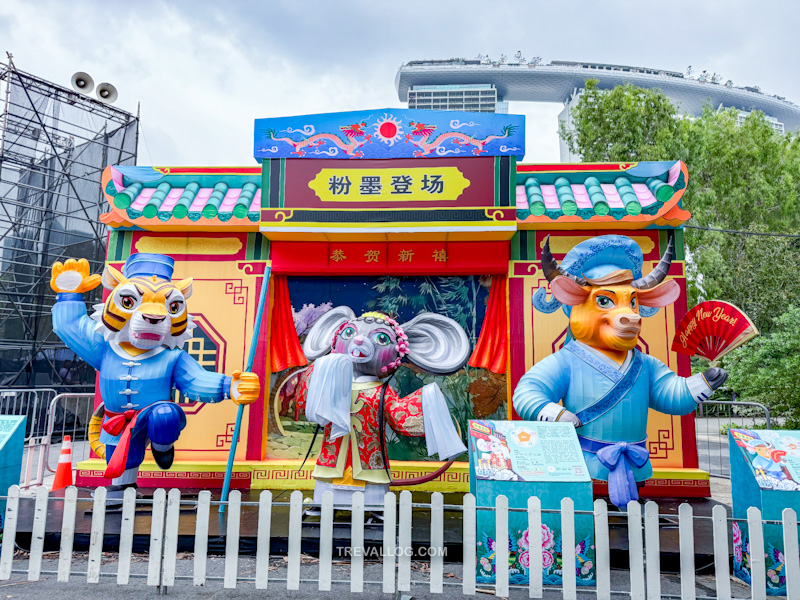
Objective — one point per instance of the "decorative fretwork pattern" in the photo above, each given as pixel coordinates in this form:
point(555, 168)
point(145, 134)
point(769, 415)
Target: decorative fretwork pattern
point(202, 348)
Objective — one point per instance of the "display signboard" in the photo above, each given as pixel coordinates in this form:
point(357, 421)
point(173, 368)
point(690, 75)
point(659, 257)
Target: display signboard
point(12, 443)
point(773, 456)
point(343, 200)
point(526, 451)
point(765, 472)
point(520, 459)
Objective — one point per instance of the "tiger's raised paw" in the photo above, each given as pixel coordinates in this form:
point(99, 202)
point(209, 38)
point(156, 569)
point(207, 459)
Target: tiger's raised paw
point(73, 276)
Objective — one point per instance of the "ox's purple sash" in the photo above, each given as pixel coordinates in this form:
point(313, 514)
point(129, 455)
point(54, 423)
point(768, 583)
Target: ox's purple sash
point(620, 458)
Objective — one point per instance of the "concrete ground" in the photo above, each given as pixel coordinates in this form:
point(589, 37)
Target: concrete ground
point(721, 490)
point(77, 589)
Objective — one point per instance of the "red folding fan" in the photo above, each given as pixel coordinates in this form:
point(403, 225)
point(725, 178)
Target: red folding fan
point(712, 329)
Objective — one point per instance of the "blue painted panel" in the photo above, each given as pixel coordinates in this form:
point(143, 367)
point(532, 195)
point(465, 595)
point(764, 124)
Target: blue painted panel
point(765, 472)
point(565, 477)
point(390, 133)
point(12, 443)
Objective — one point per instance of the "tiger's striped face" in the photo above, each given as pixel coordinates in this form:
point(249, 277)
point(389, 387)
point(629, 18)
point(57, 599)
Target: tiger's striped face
point(146, 312)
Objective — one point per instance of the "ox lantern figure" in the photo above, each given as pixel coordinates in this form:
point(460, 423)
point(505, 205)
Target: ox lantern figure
point(606, 384)
point(346, 391)
point(135, 339)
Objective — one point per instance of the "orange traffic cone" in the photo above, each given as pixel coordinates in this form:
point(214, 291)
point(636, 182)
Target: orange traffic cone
point(63, 476)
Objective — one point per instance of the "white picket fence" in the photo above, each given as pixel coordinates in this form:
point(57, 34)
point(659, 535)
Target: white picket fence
point(643, 535)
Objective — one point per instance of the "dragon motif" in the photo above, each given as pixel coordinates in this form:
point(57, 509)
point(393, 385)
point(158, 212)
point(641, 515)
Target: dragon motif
point(354, 138)
point(423, 133)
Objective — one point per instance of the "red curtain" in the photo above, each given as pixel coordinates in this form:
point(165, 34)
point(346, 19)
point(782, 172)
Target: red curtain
point(284, 345)
point(491, 351)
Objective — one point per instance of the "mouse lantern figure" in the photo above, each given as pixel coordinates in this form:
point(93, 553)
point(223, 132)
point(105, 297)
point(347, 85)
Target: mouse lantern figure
point(346, 391)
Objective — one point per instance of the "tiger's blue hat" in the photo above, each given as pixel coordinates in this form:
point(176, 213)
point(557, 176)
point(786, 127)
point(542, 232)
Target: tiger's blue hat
point(143, 264)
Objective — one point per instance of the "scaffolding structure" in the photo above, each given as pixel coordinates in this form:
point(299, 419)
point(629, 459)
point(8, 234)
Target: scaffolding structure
point(54, 145)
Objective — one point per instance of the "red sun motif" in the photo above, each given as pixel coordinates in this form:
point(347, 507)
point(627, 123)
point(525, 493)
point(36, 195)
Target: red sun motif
point(388, 129)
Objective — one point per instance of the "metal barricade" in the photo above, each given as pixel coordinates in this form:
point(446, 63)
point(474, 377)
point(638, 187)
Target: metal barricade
point(68, 414)
point(712, 421)
point(33, 403)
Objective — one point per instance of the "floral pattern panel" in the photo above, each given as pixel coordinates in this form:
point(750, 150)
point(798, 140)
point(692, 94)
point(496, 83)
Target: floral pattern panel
point(519, 555)
point(773, 557)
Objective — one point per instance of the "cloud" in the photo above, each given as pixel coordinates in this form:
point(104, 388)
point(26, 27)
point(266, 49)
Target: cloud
point(204, 70)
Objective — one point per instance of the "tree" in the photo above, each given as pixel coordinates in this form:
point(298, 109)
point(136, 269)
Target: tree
point(744, 178)
point(620, 125)
point(765, 370)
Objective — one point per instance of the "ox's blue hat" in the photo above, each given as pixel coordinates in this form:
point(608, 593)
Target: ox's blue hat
point(597, 257)
point(594, 259)
point(143, 264)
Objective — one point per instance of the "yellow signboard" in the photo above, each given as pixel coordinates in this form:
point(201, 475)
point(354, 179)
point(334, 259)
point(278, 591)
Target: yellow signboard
point(423, 184)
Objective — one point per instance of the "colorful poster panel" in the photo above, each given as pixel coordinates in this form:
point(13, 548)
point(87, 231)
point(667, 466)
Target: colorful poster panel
point(520, 459)
point(773, 455)
point(526, 451)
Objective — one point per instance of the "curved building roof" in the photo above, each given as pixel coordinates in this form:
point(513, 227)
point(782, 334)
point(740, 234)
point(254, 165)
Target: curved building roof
point(557, 81)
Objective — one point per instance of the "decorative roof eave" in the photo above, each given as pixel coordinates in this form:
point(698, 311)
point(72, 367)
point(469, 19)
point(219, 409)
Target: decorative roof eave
point(117, 218)
point(183, 198)
point(594, 196)
point(603, 195)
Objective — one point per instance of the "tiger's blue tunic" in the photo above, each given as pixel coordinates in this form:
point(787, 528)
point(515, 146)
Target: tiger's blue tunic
point(137, 383)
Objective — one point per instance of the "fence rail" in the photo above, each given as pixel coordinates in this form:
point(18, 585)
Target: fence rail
point(645, 577)
point(713, 419)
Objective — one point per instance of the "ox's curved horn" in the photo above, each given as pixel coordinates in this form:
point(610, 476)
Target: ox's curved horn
point(657, 275)
point(551, 268)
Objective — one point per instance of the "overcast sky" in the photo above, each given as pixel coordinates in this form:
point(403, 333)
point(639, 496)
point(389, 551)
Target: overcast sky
point(204, 70)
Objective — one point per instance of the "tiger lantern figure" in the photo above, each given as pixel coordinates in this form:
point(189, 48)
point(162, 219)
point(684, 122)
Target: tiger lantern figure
point(346, 390)
point(607, 384)
point(135, 339)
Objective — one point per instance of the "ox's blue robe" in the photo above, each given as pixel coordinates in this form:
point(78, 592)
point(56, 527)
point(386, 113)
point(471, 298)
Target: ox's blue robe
point(580, 376)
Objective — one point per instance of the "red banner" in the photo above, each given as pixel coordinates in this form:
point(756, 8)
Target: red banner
point(396, 258)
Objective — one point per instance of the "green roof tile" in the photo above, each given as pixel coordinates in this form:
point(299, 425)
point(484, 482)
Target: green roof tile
point(245, 200)
point(565, 196)
point(211, 208)
point(535, 198)
point(181, 209)
point(660, 190)
point(150, 209)
point(126, 197)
